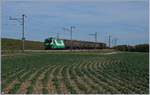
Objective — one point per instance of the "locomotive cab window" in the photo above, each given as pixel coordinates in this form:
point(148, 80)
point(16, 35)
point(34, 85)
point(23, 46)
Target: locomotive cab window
point(48, 41)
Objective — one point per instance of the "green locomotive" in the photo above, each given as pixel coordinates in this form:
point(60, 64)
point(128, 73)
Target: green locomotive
point(53, 43)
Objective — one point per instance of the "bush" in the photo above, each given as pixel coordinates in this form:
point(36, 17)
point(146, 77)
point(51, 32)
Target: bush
point(136, 48)
point(142, 48)
point(121, 47)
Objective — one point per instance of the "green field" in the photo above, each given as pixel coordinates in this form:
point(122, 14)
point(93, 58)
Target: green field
point(79, 72)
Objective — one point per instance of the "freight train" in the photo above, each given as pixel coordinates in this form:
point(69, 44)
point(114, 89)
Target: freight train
point(54, 43)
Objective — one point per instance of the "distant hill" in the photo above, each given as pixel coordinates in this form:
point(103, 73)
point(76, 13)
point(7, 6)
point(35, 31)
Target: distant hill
point(16, 44)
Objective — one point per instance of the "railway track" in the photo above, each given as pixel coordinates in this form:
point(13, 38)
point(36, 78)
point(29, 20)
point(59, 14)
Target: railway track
point(28, 52)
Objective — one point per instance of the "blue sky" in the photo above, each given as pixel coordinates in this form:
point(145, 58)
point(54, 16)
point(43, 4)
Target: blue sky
point(125, 20)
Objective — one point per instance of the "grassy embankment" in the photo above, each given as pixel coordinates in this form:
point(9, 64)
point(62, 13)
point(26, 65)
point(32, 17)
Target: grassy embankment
point(13, 45)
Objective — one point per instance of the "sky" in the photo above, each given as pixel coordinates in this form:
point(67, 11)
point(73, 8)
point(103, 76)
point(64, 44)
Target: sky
point(126, 20)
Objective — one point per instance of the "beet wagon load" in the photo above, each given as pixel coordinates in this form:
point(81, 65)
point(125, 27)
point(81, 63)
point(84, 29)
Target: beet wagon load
point(54, 43)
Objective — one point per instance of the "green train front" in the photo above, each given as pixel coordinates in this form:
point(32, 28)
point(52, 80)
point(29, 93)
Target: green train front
point(53, 43)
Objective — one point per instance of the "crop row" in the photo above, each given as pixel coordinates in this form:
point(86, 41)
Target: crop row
point(75, 74)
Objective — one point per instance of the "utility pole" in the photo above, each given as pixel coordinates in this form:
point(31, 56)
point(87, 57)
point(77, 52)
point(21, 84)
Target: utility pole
point(109, 40)
point(70, 30)
point(95, 36)
point(21, 20)
point(23, 38)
